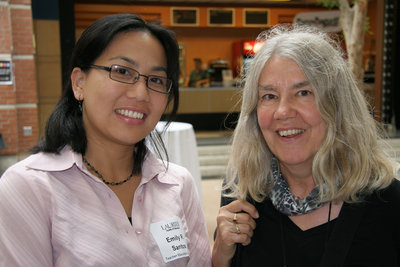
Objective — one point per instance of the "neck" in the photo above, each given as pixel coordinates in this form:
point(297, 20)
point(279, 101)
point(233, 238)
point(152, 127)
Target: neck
point(299, 180)
point(114, 164)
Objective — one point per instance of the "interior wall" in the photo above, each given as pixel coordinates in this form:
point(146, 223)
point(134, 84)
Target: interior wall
point(211, 43)
point(205, 42)
point(46, 28)
point(48, 66)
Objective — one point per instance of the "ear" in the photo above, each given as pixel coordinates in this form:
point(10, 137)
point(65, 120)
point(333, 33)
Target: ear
point(77, 82)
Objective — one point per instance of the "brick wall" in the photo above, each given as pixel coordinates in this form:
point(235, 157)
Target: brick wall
point(8, 128)
point(5, 29)
point(22, 30)
point(18, 101)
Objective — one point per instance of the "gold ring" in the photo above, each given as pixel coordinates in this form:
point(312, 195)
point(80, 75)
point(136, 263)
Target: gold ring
point(237, 228)
point(235, 218)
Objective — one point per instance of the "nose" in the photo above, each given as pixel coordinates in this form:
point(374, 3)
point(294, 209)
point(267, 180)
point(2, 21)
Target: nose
point(139, 89)
point(285, 110)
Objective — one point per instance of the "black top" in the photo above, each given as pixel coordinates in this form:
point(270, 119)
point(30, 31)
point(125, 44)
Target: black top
point(371, 229)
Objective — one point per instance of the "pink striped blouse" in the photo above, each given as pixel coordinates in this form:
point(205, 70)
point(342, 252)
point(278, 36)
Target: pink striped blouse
point(53, 212)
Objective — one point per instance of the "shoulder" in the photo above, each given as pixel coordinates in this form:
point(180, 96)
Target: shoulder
point(47, 161)
point(17, 171)
point(165, 172)
point(177, 174)
point(35, 168)
point(390, 194)
point(29, 186)
point(382, 201)
point(26, 167)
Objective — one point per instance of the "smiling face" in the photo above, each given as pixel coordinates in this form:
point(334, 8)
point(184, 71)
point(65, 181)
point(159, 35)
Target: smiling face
point(287, 114)
point(115, 112)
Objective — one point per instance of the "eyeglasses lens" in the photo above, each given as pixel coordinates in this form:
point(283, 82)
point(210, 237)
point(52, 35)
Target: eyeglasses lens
point(128, 75)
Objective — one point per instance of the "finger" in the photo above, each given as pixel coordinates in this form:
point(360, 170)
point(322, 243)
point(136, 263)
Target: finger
point(240, 237)
point(250, 209)
point(235, 218)
point(240, 229)
point(240, 206)
point(243, 218)
point(227, 234)
point(237, 228)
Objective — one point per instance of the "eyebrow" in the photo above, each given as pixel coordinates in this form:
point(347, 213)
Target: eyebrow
point(295, 86)
point(134, 63)
point(266, 87)
point(301, 84)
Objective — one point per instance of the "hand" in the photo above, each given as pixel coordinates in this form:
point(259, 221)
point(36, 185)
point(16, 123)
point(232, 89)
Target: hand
point(232, 229)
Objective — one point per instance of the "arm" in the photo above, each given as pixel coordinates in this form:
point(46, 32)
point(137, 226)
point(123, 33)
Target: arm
point(24, 224)
point(231, 232)
point(203, 81)
point(200, 254)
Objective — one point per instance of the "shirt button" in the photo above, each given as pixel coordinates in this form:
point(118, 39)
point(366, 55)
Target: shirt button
point(140, 199)
point(138, 232)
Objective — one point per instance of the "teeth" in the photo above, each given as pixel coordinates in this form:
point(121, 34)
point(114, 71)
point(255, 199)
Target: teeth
point(290, 132)
point(130, 113)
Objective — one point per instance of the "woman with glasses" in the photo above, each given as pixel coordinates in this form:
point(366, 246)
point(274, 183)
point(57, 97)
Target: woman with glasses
point(308, 182)
point(93, 194)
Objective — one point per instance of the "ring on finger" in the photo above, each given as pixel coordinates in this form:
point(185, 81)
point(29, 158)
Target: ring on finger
point(237, 228)
point(235, 218)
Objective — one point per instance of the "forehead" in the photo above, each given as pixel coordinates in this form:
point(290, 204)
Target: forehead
point(138, 45)
point(281, 71)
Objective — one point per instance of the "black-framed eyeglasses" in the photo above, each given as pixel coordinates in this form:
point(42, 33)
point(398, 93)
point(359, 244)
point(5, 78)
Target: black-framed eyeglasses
point(128, 75)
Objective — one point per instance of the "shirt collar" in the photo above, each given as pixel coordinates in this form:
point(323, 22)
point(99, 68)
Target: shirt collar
point(55, 161)
point(152, 166)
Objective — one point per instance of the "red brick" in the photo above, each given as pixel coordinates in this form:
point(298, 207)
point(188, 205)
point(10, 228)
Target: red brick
point(7, 95)
point(22, 31)
point(9, 131)
point(25, 81)
point(16, 38)
point(27, 2)
point(5, 30)
point(27, 117)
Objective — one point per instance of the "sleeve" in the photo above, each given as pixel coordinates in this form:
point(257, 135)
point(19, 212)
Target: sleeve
point(25, 238)
point(200, 254)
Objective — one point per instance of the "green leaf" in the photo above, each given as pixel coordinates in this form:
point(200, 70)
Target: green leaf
point(329, 3)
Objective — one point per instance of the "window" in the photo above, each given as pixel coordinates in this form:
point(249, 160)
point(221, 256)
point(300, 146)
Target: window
point(256, 17)
point(221, 17)
point(182, 16)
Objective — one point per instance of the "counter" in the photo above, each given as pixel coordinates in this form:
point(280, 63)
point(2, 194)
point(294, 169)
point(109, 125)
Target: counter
point(209, 108)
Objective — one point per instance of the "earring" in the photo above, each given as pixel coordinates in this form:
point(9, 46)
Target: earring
point(80, 101)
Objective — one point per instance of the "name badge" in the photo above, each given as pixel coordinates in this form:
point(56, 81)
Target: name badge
point(170, 238)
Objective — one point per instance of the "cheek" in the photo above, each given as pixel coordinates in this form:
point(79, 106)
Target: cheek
point(159, 103)
point(102, 91)
point(318, 125)
point(264, 118)
point(322, 129)
point(314, 118)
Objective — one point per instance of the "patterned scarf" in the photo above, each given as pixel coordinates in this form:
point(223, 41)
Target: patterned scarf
point(285, 202)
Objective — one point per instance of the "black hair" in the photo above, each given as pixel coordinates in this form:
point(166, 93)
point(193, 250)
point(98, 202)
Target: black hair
point(65, 124)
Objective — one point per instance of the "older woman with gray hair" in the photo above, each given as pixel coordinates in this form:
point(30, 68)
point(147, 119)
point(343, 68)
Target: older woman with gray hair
point(308, 181)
